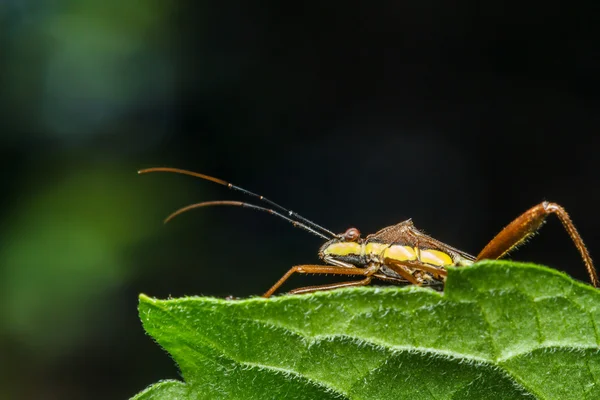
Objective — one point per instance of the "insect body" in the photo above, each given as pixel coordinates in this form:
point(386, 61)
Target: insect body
point(399, 253)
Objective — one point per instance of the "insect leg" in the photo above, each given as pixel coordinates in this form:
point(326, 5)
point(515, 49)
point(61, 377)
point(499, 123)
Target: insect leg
point(398, 268)
point(321, 269)
point(390, 279)
point(437, 271)
point(526, 225)
point(308, 289)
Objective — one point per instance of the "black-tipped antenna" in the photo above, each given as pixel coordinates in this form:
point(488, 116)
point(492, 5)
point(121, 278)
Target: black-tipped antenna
point(291, 214)
point(242, 204)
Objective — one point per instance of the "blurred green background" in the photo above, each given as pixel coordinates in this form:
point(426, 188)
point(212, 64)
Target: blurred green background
point(458, 116)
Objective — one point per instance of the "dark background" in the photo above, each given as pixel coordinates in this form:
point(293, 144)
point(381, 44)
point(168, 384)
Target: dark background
point(460, 116)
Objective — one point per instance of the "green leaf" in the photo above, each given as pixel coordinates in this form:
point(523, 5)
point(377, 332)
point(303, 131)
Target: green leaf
point(500, 330)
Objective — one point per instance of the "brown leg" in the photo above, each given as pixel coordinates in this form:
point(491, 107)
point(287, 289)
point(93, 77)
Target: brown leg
point(390, 279)
point(437, 271)
point(320, 269)
point(308, 289)
point(398, 268)
point(526, 225)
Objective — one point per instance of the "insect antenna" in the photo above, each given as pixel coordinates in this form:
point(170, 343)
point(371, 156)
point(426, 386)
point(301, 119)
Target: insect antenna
point(246, 205)
point(291, 215)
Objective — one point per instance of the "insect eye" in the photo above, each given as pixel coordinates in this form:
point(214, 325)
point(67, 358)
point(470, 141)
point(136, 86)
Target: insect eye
point(352, 235)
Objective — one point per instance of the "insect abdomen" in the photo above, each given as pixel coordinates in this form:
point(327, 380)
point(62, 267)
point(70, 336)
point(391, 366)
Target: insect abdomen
point(408, 253)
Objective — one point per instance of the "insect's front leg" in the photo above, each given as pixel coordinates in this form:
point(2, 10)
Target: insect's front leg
point(526, 225)
point(325, 269)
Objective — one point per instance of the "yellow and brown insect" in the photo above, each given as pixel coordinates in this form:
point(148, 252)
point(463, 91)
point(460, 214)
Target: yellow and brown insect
point(399, 253)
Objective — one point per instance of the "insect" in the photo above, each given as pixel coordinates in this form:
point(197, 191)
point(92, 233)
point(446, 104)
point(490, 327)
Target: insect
point(399, 253)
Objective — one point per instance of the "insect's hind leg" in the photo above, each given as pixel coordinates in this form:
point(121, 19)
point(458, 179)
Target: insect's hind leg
point(526, 225)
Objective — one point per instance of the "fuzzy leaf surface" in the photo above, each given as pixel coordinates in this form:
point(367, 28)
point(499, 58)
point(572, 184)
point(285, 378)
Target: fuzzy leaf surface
point(500, 330)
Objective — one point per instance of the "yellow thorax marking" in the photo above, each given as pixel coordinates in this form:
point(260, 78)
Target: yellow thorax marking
point(343, 249)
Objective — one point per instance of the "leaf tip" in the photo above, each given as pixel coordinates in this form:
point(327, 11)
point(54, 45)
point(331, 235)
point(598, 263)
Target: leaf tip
point(146, 299)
